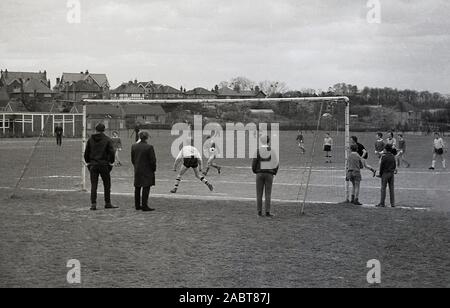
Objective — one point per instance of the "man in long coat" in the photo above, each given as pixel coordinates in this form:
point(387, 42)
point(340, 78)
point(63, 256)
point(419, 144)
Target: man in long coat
point(144, 161)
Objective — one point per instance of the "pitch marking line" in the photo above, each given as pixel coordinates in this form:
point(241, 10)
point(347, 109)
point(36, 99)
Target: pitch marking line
point(220, 197)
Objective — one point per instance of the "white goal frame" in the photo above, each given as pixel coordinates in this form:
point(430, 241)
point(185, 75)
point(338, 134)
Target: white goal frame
point(339, 99)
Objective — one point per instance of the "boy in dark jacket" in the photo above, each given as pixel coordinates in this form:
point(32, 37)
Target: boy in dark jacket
point(388, 170)
point(99, 157)
point(265, 166)
point(143, 159)
point(59, 131)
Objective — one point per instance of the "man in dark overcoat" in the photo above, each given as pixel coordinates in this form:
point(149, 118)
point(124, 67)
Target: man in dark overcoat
point(143, 159)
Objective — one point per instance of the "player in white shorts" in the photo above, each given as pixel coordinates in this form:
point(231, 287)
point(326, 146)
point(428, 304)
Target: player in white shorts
point(189, 157)
point(439, 150)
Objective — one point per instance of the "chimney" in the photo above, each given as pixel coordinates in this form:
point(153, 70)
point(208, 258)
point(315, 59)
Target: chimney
point(257, 89)
point(87, 72)
point(58, 81)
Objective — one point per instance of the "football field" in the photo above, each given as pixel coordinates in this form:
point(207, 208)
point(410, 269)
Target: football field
point(202, 239)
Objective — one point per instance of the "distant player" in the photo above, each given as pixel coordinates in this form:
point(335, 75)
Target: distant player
point(117, 143)
point(379, 145)
point(59, 131)
point(362, 152)
point(213, 151)
point(439, 150)
point(393, 142)
point(189, 157)
point(301, 142)
point(328, 147)
point(401, 153)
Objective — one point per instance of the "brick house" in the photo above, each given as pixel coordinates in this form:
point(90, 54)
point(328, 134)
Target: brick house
point(200, 93)
point(227, 93)
point(26, 85)
point(80, 90)
point(110, 115)
point(87, 85)
point(131, 90)
point(144, 114)
point(159, 91)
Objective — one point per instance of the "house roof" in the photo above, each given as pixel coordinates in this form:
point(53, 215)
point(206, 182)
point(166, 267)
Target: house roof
point(38, 86)
point(17, 106)
point(82, 86)
point(143, 109)
point(10, 77)
point(158, 88)
point(225, 91)
point(3, 105)
point(4, 97)
point(163, 89)
point(129, 88)
point(200, 91)
point(100, 79)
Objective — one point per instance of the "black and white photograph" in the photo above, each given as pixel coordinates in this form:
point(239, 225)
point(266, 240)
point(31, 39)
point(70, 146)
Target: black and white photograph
point(224, 150)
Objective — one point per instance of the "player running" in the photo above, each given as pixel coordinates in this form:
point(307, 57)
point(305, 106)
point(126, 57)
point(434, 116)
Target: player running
point(190, 158)
point(401, 153)
point(213, 151)
point(301, 142)
point(439, 149)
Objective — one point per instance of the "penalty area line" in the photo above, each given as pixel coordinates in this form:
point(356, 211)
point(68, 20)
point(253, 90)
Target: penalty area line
point(216, 197)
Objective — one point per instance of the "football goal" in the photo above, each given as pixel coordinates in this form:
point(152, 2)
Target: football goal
point(310, 134)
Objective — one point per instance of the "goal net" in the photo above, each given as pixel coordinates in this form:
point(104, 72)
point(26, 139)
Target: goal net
point(31, 158)
point(301, 129)
point(311, 136)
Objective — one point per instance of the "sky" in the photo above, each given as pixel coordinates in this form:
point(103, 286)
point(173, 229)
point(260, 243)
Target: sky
point(199, 43)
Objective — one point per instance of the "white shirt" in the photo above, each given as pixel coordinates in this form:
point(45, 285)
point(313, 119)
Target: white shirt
point(328, 141)
point(392, 141)
point(439, 144)
point(189, 151)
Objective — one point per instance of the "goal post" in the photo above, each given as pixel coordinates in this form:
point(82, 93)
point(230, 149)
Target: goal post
point(337, 99)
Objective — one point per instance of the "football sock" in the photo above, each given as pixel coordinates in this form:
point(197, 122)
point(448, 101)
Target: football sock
point(178, 181)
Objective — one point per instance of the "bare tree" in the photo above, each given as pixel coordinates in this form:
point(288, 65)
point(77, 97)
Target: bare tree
point(273, 87)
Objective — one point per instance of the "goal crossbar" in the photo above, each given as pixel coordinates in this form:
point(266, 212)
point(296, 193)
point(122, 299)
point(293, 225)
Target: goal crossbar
point(343, 99)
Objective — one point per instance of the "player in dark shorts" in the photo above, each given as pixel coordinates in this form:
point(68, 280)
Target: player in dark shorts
point(439, 149)
point(301, 142)
point(328, 147)
point(190, 158)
